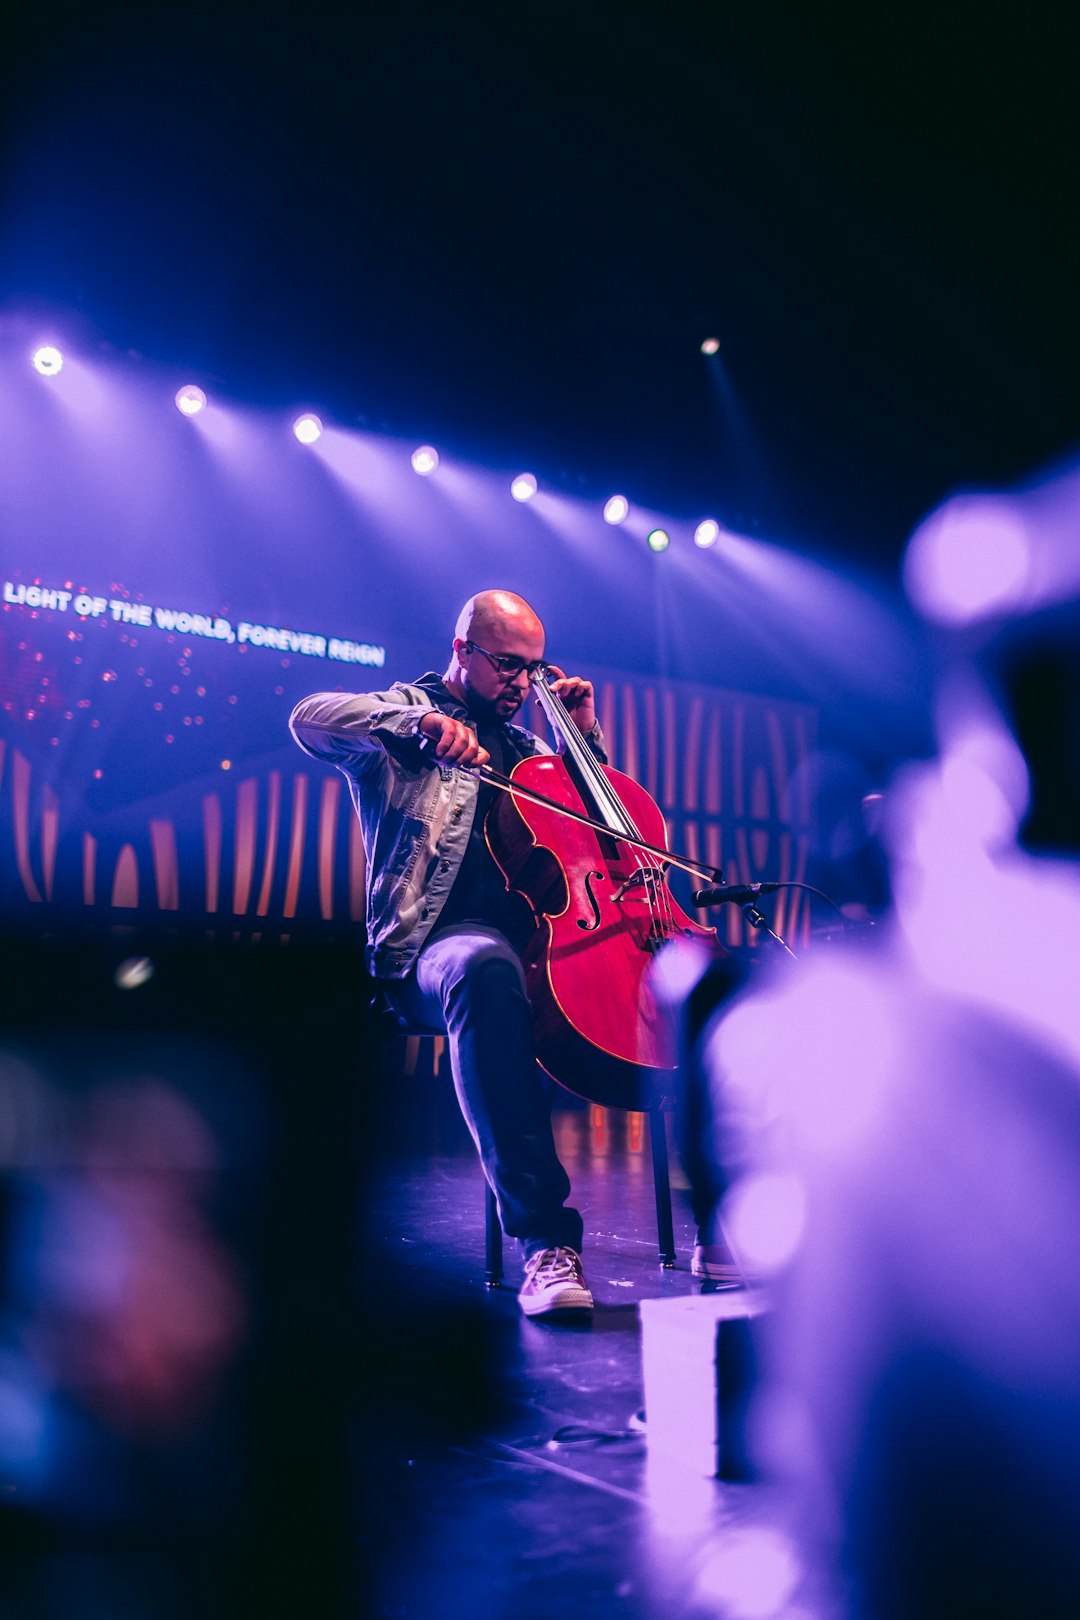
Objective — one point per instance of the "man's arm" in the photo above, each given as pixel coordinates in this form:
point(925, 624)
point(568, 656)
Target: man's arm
point(339, 727)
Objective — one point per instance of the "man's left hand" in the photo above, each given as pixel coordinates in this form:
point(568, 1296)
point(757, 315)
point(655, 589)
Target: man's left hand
point(577, 695)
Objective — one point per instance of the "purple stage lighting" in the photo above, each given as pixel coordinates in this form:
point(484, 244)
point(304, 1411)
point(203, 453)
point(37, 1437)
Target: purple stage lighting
point(190, 400)
point(766, 1215)
point(970, 558)
point(523, 487)
point(658, 540)
point(307, 429)
point(711, 346)
point(751, 1575)
point(48, 360)
point(425, 460)
point(707, 533)
point(617, 509)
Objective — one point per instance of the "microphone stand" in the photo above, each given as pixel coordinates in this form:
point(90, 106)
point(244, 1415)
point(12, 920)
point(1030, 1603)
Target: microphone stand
point(745, 896)
point(756, 920)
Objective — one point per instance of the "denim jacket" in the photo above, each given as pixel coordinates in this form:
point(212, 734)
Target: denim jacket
point(415, 816)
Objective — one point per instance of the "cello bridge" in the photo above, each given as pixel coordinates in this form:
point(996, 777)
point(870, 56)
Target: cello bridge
point(644, 877)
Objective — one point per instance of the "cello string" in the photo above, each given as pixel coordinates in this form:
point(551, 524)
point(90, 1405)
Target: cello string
point(559, 716)
point(586, 761)
point(661, 857)
point(658, 896)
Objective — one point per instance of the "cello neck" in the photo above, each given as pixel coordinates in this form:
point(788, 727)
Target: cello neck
point(608, 808)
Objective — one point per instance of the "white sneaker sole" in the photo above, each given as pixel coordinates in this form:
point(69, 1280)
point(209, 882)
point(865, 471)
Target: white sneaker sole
point(569, 1299)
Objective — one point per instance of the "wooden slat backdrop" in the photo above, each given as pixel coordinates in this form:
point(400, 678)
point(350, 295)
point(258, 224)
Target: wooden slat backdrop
point(275, 850)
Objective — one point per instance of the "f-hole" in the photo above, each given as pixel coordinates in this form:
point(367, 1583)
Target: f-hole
point(583, 922)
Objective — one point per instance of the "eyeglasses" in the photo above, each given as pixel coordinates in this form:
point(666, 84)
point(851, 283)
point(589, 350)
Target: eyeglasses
point(507, 665)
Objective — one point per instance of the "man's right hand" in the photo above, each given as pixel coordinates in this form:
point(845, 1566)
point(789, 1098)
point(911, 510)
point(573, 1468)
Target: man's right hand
point(454, 742)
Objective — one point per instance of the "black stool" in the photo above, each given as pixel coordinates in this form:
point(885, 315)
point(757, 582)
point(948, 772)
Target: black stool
point(394, 1024)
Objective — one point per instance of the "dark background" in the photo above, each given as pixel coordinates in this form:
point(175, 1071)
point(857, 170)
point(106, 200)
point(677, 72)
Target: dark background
point(509, 231)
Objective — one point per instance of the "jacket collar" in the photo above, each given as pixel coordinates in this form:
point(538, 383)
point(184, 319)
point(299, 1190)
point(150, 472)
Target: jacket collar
point(441, 695)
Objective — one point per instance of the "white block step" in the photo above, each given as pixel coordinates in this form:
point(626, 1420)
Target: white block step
point(689, 1417)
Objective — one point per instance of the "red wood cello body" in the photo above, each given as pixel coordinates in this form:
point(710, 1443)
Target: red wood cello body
point(603, 910)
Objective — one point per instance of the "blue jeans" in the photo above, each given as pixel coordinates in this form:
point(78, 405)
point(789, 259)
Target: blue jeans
point(468, 980)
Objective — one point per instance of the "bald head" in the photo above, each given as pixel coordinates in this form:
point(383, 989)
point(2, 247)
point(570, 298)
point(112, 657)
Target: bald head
point(491, 626)
point(498, 614)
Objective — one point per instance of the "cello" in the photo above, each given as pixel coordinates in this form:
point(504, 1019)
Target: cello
point(586, 846)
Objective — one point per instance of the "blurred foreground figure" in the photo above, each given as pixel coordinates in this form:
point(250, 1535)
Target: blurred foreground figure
point(903, 1129)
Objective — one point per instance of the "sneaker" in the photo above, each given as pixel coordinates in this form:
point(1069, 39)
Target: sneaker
point(554, 1281)
point(714, 1262)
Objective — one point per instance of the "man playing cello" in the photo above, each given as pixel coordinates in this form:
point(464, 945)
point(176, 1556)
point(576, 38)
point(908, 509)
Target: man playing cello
point(444, 933)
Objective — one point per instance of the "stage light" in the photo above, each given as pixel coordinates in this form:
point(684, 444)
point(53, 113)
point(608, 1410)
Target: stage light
point(425, 460)
point(524, 487)
point(707, 533)
point(307, 429)
point(658, 540)
point(133, 973)
point(48, 360)
point(711, 346)
point(617, 510)
point(190, 400)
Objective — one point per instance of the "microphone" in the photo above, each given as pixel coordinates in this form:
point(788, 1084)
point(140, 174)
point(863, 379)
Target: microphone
point(735, 894)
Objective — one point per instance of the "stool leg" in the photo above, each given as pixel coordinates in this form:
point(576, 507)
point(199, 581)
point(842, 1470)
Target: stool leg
point(662, 1185)
point(493, 1236)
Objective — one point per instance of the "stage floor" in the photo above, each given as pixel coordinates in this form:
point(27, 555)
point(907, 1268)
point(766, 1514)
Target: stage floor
point(507, 1471)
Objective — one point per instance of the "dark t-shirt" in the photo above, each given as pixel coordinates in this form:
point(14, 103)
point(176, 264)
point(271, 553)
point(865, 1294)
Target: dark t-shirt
point(480, 893)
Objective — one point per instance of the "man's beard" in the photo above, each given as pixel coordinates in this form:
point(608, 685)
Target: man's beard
point(493, 711)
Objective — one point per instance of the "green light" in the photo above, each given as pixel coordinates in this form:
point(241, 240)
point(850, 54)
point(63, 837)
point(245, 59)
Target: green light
point(658, 540)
